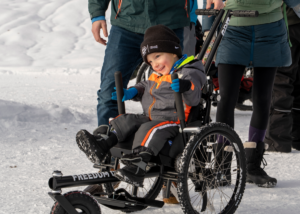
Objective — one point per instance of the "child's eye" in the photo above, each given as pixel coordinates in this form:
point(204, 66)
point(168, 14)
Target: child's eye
point(157, 56)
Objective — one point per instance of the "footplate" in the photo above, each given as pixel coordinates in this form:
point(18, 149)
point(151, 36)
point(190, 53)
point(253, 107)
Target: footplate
point(122, 200)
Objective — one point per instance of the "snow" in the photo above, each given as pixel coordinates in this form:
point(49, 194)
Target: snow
point(49, 75)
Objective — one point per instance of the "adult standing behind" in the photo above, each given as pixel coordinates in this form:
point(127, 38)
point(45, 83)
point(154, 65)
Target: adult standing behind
point(284, 123)
point(129, 21)
point(261, 42)
point(189, 32)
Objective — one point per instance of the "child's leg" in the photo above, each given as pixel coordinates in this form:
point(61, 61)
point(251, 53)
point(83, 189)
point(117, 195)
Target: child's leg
point(148, 141)
point(96, 147)
point(126, 125)
point(153, 134)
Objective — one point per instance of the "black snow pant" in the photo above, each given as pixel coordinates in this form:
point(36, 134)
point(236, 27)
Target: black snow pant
point(229, 82)
point(284, 123)
point(152, 134)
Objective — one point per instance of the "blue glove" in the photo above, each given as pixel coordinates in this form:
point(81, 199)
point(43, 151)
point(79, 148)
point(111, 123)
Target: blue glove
point(128, 94)
point(179, 85)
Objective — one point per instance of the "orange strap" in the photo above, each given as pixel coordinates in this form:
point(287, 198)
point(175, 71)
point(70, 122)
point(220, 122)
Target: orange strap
point(119, 8)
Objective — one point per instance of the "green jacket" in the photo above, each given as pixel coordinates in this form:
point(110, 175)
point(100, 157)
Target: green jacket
point(138, 15)
point(269, 11)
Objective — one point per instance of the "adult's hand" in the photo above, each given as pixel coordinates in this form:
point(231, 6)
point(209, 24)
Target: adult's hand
point(218, 4)
point(96, 28)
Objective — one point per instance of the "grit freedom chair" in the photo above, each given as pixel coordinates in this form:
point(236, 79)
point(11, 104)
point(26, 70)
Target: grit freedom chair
point(206, 160)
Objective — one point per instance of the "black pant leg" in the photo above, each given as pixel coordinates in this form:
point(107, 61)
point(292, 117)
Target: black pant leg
point(285, 97)
point(229, 82)
point(295, 31)
point(154, 135)
point(263, 81)
point(127, 124)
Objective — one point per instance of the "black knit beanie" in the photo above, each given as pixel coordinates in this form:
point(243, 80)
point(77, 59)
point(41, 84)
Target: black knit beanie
point(160, 38)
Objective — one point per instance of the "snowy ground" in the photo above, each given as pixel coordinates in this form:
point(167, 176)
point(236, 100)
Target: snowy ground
point(49, 75)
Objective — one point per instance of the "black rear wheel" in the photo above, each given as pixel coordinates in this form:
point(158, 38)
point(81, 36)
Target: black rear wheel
point(83, 203)
point(212, 171)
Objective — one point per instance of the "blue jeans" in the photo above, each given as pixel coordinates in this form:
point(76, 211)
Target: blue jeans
point(122, 54)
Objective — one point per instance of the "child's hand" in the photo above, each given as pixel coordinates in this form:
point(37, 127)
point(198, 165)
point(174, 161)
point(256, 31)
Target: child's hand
point(128, 94)
point(179, 85)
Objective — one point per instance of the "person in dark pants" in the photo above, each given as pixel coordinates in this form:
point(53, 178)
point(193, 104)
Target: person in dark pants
point(260, 42)
point(283, 130)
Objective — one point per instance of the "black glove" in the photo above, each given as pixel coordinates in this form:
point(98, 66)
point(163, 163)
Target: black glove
point(179, 85)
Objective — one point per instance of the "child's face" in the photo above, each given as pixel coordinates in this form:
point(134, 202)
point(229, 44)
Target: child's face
point(162, 62)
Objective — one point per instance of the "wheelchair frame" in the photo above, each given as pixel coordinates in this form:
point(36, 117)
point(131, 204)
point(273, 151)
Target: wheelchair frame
point(162, 166)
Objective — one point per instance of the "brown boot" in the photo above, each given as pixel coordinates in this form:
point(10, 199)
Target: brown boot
point(172, 199)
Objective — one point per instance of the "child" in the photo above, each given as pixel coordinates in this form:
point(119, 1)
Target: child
point(161, 50)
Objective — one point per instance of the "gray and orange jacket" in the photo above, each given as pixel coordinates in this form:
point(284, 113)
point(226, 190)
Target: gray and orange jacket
point(157, 96)
point(136, 15)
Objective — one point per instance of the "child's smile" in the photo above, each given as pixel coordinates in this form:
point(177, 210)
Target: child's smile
point(162, 62)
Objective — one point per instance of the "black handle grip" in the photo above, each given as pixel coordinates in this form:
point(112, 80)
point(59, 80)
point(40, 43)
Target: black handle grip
point(237, 13)
point(207, 12)
point(178, 101)
point(120, 92)
point(245, 13)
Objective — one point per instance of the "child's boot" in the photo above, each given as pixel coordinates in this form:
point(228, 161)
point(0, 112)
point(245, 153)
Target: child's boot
point(255, 174)
point(134, 172)
point(95, 147)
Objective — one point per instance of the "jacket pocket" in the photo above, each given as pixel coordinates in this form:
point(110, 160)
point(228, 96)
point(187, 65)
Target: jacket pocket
point(166, 105)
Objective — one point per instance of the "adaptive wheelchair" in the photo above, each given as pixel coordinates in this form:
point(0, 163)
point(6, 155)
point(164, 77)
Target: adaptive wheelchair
point(206, 160)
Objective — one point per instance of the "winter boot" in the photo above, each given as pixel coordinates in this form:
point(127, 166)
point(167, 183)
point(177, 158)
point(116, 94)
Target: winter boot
point(255, 174)
point(129, 159)
point(95, 147)
point(223, 157)
point(134, 172)
point(200, 157)
point(296, 145)
point(220, 175)
point(173, 191)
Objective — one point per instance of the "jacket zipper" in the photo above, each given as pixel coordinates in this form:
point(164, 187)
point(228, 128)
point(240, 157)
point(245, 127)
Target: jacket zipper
point(149, 111)
point(186, 8)
point(119, 8)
